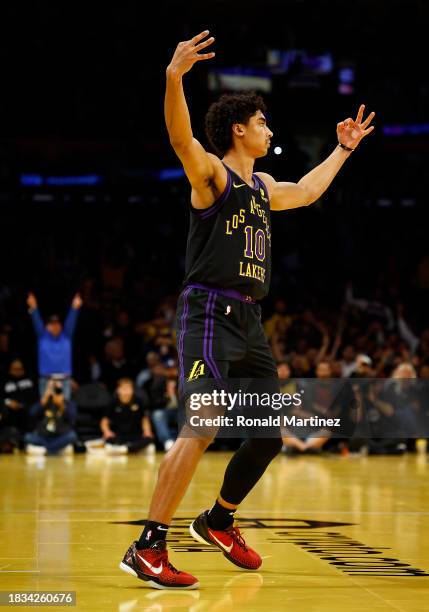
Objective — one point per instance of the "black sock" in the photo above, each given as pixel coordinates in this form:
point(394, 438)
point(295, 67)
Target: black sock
point(153, 532)
point(219, 517)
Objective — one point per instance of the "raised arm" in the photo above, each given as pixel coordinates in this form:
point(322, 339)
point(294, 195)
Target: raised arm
point(70, 322)
point(405, 330)
point(33, 309)
point(315, 183)
point(204, 170)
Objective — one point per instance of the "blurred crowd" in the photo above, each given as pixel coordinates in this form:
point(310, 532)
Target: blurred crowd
point(102, 384)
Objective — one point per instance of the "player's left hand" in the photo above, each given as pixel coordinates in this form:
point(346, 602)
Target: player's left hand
point(350, 132)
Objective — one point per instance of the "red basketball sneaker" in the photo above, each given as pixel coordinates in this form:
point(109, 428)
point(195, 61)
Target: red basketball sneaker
point(152, 566)
point(230, 541)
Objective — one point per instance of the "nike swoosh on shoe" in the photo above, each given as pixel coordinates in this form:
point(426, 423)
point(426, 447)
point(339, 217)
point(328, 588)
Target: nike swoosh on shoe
point(155, 570)
point(221, 544)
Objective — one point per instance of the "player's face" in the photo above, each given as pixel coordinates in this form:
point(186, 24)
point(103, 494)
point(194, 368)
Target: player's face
point(258, 135)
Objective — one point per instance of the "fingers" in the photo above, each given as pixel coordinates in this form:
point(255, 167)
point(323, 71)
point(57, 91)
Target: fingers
point(196, 39)
point(369, 130)
point(359, 117)
point(368, 120)
point(199, 44)
point(204, 56)
point(204, 44)
point(360, 113)
point(348, 122)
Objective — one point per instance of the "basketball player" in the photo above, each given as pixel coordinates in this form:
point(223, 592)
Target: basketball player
point(218, 318)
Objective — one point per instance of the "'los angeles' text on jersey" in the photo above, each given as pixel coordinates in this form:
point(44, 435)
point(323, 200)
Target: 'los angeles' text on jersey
point(229, 243)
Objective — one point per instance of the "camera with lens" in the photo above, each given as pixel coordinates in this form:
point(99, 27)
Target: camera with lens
point(58, 388)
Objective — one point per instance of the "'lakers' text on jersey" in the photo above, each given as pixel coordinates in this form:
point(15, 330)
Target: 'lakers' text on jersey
point(229, 243)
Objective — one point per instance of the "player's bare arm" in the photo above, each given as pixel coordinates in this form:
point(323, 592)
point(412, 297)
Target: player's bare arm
point(205, 171)
point(309, 189)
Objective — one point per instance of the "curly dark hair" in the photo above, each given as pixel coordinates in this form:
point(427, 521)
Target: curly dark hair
point(230, 109)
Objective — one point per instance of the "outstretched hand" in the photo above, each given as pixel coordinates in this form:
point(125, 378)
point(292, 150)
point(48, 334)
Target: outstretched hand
point(187, 53)
point(350, 132)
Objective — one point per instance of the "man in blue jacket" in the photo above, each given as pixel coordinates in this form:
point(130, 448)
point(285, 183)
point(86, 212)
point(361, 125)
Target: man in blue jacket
point(54, 344)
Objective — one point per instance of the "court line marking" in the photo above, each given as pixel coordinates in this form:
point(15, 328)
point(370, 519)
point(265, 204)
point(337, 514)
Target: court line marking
point(198, 509)
point(19, 571)
point(358, 585)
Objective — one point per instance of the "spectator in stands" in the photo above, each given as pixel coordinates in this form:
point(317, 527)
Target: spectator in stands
point(126, 426)
point(165, 347)
point(115, 365)
point(164, 418)
point(323, 404)
point(161, 393)
point(121, 326)
point(336, 369)
point(152, 360)
point(373, 308)
point(55, 345)
point(395, 412)
point(348, 361)
point(424, 371)
point(18, 395)
point(319, 401)
point(5, 351)
point(279, 322)
point(403, 396)
point(363, 367)
point(292, 443)
point(284, 373)
point(13, 413)
point(55, 417)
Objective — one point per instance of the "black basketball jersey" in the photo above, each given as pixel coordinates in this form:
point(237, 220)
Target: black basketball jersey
point(229, 243)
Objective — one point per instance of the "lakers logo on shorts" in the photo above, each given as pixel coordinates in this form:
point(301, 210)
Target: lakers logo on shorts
point(197, 370)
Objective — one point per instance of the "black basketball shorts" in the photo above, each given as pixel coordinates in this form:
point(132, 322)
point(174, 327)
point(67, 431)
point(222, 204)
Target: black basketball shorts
point(220, 335)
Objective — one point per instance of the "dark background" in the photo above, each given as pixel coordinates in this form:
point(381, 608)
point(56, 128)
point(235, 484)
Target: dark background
point(82, 93)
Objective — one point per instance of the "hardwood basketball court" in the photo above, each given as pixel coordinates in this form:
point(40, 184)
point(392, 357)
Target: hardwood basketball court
point(336, 533)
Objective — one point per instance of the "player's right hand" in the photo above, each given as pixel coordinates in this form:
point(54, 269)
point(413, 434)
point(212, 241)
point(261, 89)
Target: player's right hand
point(186, 53)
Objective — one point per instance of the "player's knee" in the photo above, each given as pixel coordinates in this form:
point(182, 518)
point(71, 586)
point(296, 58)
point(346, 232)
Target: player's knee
point(188, 446)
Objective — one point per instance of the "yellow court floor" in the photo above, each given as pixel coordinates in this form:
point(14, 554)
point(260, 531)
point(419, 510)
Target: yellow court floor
point(336, 533)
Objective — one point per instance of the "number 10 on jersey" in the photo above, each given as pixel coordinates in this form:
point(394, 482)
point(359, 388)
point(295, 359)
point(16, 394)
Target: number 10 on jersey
point(255, 243)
